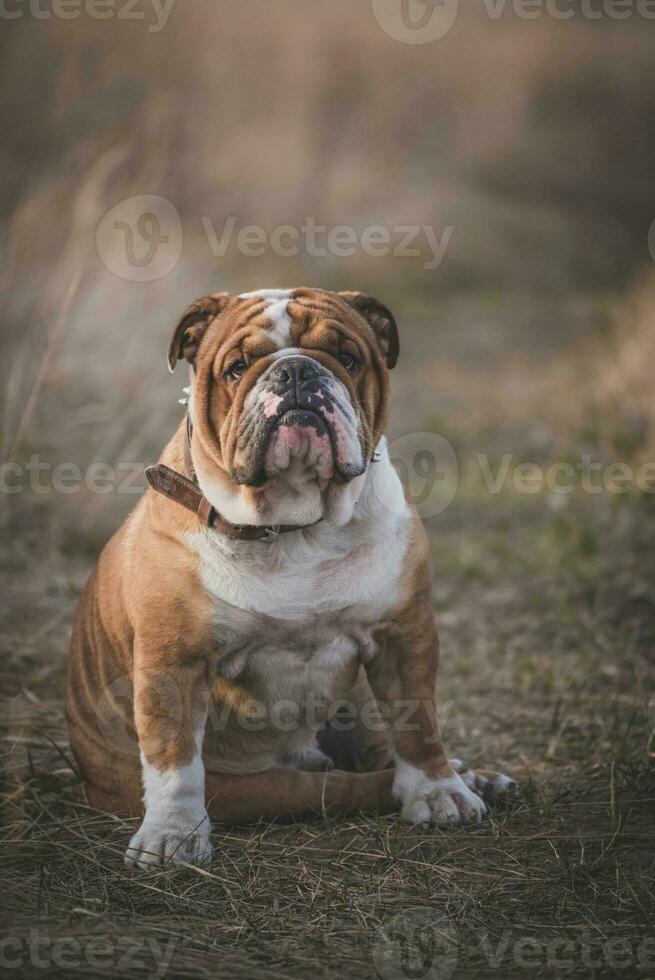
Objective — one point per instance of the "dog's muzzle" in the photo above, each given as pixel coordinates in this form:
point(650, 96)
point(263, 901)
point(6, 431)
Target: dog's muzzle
point(297, 393)
point(303, 386)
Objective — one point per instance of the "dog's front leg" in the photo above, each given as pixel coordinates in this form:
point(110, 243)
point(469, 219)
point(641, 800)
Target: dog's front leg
point(403, 677)
point(170, 713)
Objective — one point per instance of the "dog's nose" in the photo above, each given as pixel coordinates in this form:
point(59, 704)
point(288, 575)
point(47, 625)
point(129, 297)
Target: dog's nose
point(294, 371)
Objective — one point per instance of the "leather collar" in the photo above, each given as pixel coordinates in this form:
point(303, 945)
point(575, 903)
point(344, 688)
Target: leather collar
point(184, 490)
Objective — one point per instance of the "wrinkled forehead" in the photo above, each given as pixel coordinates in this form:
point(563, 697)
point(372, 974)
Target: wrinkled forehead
point(270, 309)
point(284, 316)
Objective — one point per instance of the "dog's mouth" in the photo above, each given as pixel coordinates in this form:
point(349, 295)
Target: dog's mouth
point(302, 418)
point(310, 438)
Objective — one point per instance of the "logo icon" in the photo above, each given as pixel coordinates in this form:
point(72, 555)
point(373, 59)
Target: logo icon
point(140, 239)
point(427, 466)
point(416, 944)
point(416, 21)
point(114, 708)
point(651, 240)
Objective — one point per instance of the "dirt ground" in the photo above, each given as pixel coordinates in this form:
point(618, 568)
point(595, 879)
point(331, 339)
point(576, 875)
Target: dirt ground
point(546, 605)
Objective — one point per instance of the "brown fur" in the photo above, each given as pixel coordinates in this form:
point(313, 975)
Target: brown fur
point(143, 654)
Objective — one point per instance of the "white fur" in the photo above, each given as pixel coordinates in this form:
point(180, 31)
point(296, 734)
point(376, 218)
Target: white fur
point(502, 783)
point(276, 310)
point(298, 675)
point(291, 613)
point(289, 352)
point(229, 502)
point(426, 800)
point(176, 826)
point(298, 497)
point(270, 294)
point(323, 568)
point(189, 395)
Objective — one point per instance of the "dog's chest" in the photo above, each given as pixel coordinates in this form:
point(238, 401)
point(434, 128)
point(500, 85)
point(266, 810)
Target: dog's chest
point(297, 617)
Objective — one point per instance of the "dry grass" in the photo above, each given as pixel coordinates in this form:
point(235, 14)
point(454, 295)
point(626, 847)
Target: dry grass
point(547, 630)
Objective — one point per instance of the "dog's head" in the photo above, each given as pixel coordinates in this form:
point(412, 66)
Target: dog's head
point(289, 399)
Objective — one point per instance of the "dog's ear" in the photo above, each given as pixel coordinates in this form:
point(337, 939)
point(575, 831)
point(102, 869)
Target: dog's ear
point(381, 321)
point(192, 326)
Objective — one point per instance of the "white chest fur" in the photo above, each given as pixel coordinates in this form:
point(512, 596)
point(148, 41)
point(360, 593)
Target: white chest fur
point(290, 614)
point(301, 576)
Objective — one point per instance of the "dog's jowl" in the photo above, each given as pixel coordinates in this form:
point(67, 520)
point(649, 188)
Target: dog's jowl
point(258, 640)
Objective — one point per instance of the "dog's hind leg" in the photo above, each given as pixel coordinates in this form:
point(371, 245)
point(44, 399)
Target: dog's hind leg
point(291, 793)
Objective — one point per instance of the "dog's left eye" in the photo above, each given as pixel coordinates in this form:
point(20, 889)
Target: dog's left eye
point(349, 361)
point(235, 370)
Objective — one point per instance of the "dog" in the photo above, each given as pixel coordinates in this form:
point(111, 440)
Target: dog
point(257, 640)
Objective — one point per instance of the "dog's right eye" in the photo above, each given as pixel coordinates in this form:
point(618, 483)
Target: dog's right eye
point(235, 370)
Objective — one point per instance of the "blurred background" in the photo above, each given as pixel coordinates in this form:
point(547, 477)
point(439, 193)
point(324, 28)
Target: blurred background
point(524, 145)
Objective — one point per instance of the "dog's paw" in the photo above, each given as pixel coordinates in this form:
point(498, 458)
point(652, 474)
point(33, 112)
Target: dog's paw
point(445, 802)
point(485, 782)
point(170, 838)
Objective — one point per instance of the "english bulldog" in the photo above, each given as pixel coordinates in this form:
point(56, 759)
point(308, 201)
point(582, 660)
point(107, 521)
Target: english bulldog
point(258, 640)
